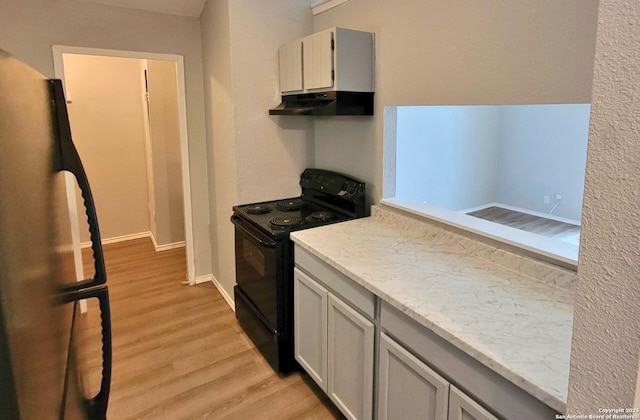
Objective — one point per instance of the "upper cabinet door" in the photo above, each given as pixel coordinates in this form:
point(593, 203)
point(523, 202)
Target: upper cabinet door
point(335, 59)
point(318, 60)
point(290, 57)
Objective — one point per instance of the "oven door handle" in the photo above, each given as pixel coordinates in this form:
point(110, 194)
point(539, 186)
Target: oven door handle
point(252, 232)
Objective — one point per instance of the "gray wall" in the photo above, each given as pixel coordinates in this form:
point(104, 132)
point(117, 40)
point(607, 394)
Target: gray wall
point(164, 130)
point(543, 151)
point(107, 123)
point(448, 155)
point(252, 156)
point(452, 52)
point(29, 29)
point(460, 157)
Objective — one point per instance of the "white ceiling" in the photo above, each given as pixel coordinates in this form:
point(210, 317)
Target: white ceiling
point(172, 7)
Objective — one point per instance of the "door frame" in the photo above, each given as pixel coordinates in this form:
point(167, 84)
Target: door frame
point(149, 153)
point(58, 52)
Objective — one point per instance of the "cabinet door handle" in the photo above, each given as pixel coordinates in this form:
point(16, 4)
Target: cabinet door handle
point(253, 233)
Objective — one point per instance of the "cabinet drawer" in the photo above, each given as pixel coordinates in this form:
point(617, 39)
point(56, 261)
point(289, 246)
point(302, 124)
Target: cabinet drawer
point(338, 283)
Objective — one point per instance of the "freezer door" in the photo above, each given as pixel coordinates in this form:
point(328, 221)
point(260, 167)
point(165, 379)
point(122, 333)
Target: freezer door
point(36, 255)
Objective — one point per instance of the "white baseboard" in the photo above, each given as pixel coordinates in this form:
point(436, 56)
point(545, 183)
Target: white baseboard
point(204, 279)
point(212, 279)
point(165, 247)
point(140, 235)
point(117, 239)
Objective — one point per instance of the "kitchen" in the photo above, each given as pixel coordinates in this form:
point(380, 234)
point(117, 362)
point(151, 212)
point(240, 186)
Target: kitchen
point(490, 54)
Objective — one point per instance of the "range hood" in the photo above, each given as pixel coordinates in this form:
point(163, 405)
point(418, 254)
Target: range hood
point(326, 103)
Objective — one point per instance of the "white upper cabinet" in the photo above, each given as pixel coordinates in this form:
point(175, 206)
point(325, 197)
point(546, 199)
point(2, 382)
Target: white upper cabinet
point(290, 57)
point(335, 59)
point(317, 53)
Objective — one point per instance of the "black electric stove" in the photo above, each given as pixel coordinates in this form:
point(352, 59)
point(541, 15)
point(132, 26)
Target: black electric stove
point(327, 197)
point(264, 256)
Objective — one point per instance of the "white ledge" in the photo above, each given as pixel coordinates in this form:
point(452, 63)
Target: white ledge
point(564, 253)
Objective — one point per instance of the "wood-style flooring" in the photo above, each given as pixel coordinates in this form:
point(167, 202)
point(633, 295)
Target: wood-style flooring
point(178, 352)
point(565, 232)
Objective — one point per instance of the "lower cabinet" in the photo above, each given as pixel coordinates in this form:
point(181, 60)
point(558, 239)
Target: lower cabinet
point(350, 354)
point(409, 389)
point(418, 374)
point(462, 407)
point(310, 327)
point(335, 345)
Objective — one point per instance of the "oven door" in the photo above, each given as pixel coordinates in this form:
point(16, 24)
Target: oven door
point(259, 262)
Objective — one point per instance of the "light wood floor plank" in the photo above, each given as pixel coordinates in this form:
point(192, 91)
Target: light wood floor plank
point(178, 351)
point(542, 226)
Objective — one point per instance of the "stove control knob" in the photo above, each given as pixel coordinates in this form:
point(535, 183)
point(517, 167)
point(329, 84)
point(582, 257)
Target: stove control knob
point(345, 186)
point(352, 190)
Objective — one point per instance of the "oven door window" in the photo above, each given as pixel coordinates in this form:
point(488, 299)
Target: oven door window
point(254, 256)
point(256, 274)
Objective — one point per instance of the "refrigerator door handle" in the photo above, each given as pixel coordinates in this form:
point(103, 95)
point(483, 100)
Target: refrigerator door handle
point(69, 160)
point(96, 407)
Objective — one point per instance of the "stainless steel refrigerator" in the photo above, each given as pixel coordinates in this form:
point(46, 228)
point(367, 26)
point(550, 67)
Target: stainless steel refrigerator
point(40, 321)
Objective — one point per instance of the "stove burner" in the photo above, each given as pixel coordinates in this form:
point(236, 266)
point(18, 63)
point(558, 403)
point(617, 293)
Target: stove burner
point(323, 216)
point(286, 221)
point(258, 209)
point(291, 205)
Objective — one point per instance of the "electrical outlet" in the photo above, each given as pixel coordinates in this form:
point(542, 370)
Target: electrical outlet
point(558, 197)
point(545, 199)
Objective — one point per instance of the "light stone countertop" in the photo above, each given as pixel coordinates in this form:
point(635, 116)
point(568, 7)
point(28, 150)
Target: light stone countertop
point(513, 323)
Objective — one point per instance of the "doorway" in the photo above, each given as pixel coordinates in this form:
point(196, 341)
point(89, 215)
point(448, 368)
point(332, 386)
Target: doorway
point(163, 179)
